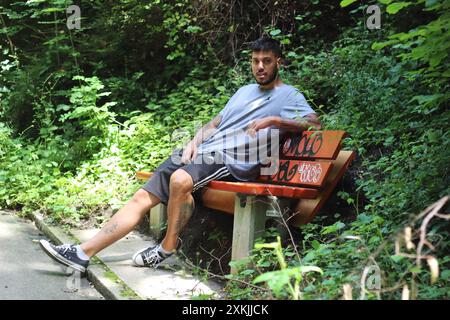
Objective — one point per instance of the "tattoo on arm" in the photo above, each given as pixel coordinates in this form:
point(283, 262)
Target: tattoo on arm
point(110, 229)
point(310, 121)
point(186, 211)
point(314, 119)
point(207, 130)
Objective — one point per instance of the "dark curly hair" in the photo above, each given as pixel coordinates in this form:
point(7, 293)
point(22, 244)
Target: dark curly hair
point(266, 43)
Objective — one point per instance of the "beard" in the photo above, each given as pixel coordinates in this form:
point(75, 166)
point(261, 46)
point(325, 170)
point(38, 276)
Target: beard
point(270, 80)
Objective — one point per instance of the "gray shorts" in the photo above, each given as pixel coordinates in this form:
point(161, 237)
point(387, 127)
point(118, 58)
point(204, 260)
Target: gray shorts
point(201, 174)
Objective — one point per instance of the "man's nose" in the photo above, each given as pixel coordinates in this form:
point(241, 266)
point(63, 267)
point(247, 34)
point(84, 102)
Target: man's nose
point(260, 66)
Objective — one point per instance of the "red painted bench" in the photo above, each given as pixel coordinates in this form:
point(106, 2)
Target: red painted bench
point(311, 163)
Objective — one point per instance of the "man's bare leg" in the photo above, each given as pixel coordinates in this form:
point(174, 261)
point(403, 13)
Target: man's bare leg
point(122, 222)
point(179, 209)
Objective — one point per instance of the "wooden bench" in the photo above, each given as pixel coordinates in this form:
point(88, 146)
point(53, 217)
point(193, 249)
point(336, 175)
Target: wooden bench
point(311, 163)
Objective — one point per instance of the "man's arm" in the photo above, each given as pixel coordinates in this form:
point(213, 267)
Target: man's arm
point(190, 152)
point(207, 130)
point(309, 121)
point(292, 125)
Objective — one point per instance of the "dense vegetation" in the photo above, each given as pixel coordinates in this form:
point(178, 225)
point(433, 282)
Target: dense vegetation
point(82, 109)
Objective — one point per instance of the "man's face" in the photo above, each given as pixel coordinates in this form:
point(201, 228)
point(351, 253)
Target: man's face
point(265, 66)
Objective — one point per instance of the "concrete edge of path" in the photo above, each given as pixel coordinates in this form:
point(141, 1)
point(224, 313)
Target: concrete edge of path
point(102, 277)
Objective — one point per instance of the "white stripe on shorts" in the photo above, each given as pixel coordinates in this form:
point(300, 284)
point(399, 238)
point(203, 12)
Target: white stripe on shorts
point(215, 175)
point(219, 171)
point(227, 173)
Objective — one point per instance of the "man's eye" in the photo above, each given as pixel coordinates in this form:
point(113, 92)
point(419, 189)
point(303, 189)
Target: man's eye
point(265, 61)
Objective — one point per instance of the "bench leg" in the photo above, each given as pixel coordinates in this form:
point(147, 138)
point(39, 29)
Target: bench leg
point(249, 224)
point(158, 218)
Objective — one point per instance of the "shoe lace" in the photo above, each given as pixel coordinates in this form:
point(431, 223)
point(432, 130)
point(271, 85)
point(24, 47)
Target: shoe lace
point(151, 256)
point(65, 247)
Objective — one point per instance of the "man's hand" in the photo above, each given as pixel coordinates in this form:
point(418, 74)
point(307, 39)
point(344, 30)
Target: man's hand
point(189, 153)
point(294, 125)
point(259, 124)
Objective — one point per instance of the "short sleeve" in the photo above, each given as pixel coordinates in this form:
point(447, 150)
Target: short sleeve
point(231, 102)
point(296, 106)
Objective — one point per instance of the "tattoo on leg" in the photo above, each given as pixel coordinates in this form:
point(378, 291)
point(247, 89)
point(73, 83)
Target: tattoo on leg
point(110, 229)
point(185, 214)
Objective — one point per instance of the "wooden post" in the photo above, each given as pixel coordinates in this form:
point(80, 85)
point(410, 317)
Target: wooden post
point(249, 224)
point(158, 218)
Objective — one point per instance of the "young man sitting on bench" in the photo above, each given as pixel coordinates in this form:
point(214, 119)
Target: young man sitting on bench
point(269, 103)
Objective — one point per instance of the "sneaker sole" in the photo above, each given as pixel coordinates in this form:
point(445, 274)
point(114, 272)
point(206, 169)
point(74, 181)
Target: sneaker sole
point(58, 258)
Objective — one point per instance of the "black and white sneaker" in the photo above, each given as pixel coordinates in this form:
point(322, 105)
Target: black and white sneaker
point(65, 254)
point(149, 257)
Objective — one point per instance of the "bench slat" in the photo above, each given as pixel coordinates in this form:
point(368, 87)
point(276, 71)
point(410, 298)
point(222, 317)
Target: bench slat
point(304, 173)
point(263, 189)
point(218, 200)
point(142, 175)
point(313, 145)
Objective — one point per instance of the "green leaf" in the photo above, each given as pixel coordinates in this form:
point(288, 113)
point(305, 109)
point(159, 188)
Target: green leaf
point(430, 3)
point(264, 264)
point(309, 256)
point(53, 9)
point(427, 99)
point(276, 280)
point(34, 1)
point(193, 29)
point(305, 269)
point(345, 3)
point(247, 272)
point(315, 244)
point(380, 45)
point(445, 274)
point(266, 276)
point(275, 32)
point(63, 107)
point(333, 228)
point(415, 269)
point(396, 258)
point(272, 245)
point(364, 218)
point(396, 7)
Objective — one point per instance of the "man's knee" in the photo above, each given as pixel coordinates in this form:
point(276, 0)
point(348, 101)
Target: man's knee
point(180, 182)
point(142, 198)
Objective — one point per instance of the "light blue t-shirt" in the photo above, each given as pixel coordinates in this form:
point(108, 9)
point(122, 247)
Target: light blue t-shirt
point(231, 142)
